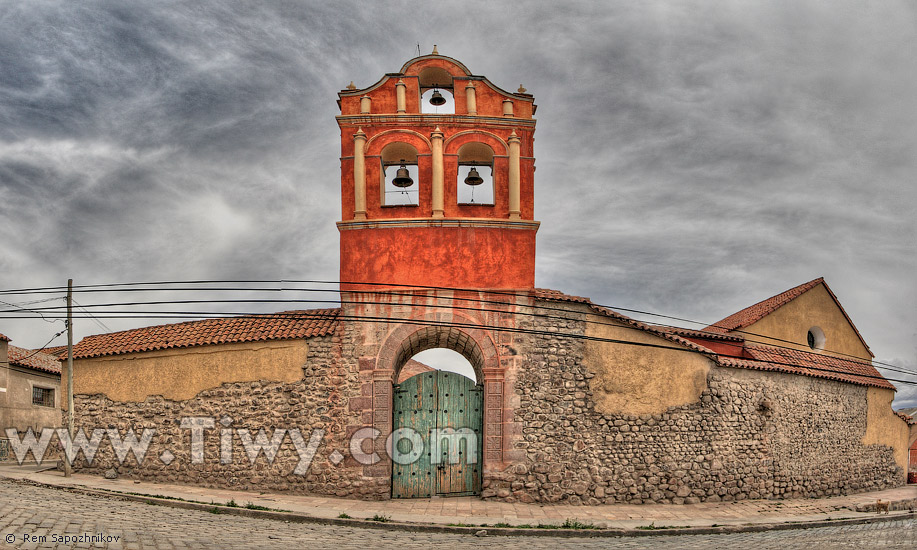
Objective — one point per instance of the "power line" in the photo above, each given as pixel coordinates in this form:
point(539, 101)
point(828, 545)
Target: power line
point(157, 286)
point(518, 330)
point(158, 314)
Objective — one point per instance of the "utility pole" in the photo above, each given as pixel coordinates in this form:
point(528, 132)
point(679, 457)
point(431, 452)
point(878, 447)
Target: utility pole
point(68, 468)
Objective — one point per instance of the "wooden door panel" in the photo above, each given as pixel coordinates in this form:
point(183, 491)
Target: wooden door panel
point(445, 410)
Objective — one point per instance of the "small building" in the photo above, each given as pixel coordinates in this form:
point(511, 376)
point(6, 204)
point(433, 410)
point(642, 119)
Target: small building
point(29, 391)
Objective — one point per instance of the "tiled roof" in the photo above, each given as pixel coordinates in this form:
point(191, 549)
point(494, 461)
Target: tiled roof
point(558, 296)
point(760, 357)
point(907, 418)
point(57, 351)
point(4, 338)
point(756, 312)
point(692, 333)
point(248, 328)
point(20, 357)
point(808, 364)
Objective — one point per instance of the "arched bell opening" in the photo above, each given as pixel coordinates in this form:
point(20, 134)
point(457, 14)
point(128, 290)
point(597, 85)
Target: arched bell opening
point(400, 175)
point(436, 92)
point(475, 183)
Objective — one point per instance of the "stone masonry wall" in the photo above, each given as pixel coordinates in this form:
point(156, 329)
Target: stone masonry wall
point(752, 435)
point(317, 402)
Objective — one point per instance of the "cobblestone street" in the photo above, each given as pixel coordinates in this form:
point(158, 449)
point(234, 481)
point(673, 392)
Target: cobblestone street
point(28, 512)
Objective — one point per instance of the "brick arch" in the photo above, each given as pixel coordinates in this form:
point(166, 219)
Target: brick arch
point(452, 144)
point(419, 141)
point(409, 340)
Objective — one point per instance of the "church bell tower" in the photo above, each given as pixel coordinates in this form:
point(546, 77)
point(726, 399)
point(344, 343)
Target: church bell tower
point(437, 174)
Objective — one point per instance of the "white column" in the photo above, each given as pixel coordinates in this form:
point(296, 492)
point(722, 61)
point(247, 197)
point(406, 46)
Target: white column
point(365, 102)
point(514, 175)
point(400, 99)
point(359, 176)
point(470, 99)
point(438, 177)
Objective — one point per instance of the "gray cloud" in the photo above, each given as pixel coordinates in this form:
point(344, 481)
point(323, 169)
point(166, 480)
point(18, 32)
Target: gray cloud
point(693, 158)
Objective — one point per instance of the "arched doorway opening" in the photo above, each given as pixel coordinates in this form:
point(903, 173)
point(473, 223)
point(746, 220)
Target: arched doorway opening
point(437, 426)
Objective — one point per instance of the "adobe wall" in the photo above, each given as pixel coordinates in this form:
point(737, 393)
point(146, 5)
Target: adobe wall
point(749, 434)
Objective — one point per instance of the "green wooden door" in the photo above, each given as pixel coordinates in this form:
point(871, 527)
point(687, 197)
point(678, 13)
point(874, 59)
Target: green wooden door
point(437, 436)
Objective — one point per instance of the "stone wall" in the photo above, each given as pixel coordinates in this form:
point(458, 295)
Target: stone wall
point(747, 434)
point(750, 435)
point(316, 402)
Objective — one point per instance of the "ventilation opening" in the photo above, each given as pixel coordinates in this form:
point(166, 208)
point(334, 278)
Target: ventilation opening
point(815, 338)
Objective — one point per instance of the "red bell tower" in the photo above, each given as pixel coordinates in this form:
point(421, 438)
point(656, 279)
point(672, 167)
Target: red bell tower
point(437, 172)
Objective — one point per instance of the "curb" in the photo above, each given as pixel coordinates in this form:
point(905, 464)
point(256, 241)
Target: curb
point(298, 517)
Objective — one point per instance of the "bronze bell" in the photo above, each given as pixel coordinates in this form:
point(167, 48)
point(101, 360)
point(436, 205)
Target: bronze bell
point(473, 177)
point(402, 178)
point(437, 98)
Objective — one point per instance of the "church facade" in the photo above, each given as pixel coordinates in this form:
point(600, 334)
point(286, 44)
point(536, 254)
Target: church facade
point(570, 401)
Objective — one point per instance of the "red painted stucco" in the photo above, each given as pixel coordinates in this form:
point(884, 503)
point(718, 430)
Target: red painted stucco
point(438, 255)
point(462, 257)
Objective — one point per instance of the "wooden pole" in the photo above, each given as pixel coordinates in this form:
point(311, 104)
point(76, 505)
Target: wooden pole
point(68, 468)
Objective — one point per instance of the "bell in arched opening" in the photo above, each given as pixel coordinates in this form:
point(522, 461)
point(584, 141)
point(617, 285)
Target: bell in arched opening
point(437, 98)
point(402, 178)
point(473, 177)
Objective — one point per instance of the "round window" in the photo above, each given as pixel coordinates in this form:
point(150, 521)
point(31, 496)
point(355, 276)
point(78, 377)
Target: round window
point(815, 338)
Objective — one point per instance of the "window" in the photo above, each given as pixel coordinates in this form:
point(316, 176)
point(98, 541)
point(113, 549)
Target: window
point(42, 396)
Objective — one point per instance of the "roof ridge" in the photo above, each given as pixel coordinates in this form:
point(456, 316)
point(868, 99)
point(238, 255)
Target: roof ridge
point(755, 312)
point(33, 359)
point(300, 323)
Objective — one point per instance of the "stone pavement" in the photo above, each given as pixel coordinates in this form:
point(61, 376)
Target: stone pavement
point(34, 516)
point(474, 511)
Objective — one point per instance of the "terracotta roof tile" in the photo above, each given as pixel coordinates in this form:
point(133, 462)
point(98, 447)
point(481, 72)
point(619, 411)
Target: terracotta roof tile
point(248, 328)
point(558, 296)
point(809, 364)
point(20, 357)
point(756, 312)
point(907, 418)
point(762, 357)
point(693, 333)
point(57, 351)
point(4, 338)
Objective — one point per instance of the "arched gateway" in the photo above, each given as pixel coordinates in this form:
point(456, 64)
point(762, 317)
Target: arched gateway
point(436, 446)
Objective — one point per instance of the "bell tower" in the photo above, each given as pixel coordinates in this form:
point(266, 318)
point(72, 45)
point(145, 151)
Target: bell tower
point(437, 177)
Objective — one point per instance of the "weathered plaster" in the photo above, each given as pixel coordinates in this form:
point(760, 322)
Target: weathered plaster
point(883, 426)
point(638, 380)
point(789, 325)
point(180, 374)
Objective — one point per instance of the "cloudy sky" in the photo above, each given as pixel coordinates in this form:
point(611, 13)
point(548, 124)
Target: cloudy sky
point(692, 158)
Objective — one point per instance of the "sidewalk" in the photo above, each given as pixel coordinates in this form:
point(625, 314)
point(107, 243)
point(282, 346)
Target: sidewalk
point(472, 511)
